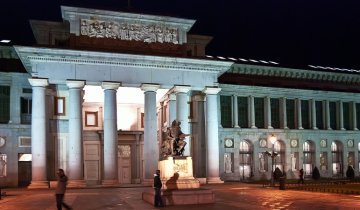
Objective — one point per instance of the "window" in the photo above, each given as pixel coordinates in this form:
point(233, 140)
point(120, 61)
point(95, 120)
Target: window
point(346, 115)
point(259, 112)
point(27, 90)
point(4, 104)
point(275, 113)
point(332, 107)
point(309, 157)
point(305, 114)
point(245, 163)
point(165, 109)
point(142, 120)
point(290, 113)
point(243, 112)
point(358, 115)
point(319, 115)
point(225, 103)
point(59, 106)
point(26, 108)
point(280, 158)
point(337, 162)
point(91, 119)
point(323, 161)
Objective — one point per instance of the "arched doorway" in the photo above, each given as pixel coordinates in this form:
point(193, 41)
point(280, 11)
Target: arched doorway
point(308, 158)
point(337, 160)
point(246, 160)
point(279, 147)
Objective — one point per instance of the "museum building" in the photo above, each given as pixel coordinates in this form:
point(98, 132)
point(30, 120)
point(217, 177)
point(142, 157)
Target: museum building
point(95, 93)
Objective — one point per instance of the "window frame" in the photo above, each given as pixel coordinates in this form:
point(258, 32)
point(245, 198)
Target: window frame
point(96, 119)
point(56, 106)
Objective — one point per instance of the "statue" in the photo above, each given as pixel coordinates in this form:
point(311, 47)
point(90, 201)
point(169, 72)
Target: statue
point(350, 161)
point(2, 166)
point(84, 28)
point(293, 162)
point(173, 141)
point(228, 163)
point(262, 162)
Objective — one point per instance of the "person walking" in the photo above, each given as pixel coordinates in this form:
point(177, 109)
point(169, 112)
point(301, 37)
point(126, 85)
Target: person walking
point(301, 176)
point(60, 190)
point(157, 188)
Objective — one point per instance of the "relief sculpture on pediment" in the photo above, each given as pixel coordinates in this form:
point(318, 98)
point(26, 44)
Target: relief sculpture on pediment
point(131, 35)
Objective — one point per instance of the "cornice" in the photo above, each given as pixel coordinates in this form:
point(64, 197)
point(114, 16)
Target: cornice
point(294, 73)
point(30, 56)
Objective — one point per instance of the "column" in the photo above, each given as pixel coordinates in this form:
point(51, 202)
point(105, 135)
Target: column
point(232, 111)
point(212, 136)
point(353, 115)
point(161, 122)
point(150, 133)
point(110, 135)
point(327, 115)
point(75, 174)
point(172, 108)
point(313, 114)
point(283, 115)
point(298, 113)
point(38, 134)
point(182, 113)
point(252, 111)
point(235, 111)
point(341, 115)
point(138, 159)
point(267, 107)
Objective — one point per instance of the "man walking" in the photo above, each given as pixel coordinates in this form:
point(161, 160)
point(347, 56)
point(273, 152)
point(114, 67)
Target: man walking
point(157, 187)
point(60, 190)
point(301, 176)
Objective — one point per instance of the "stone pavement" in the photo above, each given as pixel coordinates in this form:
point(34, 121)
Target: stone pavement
point(228, 196)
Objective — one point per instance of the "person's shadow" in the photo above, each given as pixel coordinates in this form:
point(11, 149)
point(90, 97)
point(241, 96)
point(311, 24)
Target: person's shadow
point(171, 185)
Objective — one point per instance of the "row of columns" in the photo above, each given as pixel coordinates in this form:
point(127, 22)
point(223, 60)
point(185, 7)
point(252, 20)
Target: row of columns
point(298, 117)
point(75, 173)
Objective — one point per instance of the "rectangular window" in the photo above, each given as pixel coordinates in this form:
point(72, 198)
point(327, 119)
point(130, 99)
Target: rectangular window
point(358, 117)
point(243, 112)
point(27, 90)
point(290, 113)
point(319, 115)
point(59, 106)
point(332, 107)
point(91, 119)
point(4, 104)
point(346, 115)
point(225, 103)
point(26, 107)
point(305, 114)
point(259, 112)
point(275, 113)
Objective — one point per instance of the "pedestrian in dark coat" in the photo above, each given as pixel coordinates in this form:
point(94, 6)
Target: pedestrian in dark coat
point(157, 187)
point(60, 189)
point(301, 176)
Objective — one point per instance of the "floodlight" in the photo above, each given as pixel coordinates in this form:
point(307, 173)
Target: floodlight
point(253, 60)
point(273, 62)
point(209, 56)
point(242, 59)
point(263, 61)
point(234, 59)
point(5, 41)
point(221, 57)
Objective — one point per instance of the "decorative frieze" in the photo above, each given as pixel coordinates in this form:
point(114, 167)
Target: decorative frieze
point(24, 141)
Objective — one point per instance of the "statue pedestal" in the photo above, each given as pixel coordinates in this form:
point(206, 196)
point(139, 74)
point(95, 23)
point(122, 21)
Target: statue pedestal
point(179, 185)
point(322, 167)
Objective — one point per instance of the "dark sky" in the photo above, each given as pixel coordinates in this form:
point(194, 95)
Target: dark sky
point(295, 32)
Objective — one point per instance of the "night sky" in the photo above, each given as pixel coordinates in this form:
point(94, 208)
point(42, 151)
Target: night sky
point(295, 32)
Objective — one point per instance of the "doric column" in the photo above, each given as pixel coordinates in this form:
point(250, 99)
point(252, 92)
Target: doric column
point(232, 111)
point(283, 116)
point(110, 135)
point(267, 110)
point(182, 113)
point(75, 174)
point(341, 115)
point(298, 113)
point(150, 133)
point(327, 115)
point(212, 135)
point(252, 111)
point(172, 108)
point(235, 111)
point(161, 121)
point(38, 134)
point(313, 114)
point(138, 159)
point(353, 116)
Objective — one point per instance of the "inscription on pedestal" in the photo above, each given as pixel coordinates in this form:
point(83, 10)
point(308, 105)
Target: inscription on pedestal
point(92, 170)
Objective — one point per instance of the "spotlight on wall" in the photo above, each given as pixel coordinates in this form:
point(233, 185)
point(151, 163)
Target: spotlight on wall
point(5, 41)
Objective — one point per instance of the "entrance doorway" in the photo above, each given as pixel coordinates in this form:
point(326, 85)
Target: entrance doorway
point(24, 170)
point(124, 164)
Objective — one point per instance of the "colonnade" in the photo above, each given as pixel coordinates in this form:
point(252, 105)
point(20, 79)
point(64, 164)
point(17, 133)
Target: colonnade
point(298, 114)
point(75, 173)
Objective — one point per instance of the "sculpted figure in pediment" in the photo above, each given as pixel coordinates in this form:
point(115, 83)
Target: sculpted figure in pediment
point(175, 36)
point(124, 33)
point(91, 31)
point(109, 30)
point(101, 31)
point(159, 34)
point(168, 36)
point(84, 28)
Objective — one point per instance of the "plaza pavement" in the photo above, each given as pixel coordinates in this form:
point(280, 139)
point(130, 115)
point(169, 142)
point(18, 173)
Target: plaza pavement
point(228, 196)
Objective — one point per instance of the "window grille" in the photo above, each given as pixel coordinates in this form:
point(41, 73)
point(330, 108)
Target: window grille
point(305, 114)
point(4, 104)
point(319, 115)
point(336, 160)
point(26, 108)
point(358, 115)
point(246, 160)
point(27, 90)
point(243, 112)
point(225, 102)
point(309, 158)
point(259, 112)
point(290, 113)
point(346, 115)
point(275, 113)
point(332, 107)
point(280, 158)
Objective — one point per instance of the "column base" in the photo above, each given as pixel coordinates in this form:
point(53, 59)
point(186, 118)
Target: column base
point(253, 127)
point(76, 183)
point(270, 127)
point(236, 126)
point(355, 129)
point(147, 182)
point(286, 128)
point(301, 128)
point(214, 180)
point(329, 129)
point(343, 129)
point(38, 184)
point(111, 183)
point(315, 128)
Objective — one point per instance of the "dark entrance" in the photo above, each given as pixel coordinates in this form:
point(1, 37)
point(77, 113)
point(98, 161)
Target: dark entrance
point(24, 173)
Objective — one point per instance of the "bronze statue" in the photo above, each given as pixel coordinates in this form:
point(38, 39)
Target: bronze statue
point(173, 141)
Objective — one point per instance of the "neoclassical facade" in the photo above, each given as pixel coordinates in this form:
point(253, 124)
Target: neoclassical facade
point(227, 105)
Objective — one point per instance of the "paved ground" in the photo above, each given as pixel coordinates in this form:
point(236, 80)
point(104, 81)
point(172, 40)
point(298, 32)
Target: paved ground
point(228, 196)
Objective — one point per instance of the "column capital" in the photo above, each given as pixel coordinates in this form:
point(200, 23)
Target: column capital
point(79, 84)
point(284, 97)
point(38, 82)
point(181, 88)
point(211, 90)
point(251, 96)
point(147, 87)
point(267, 97)
point(235, 95)
point(297, 99)
point(110, 85)
point(172, 97)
